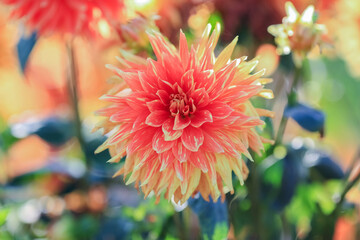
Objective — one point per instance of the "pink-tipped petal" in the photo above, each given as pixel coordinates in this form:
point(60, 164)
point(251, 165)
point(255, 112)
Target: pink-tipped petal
point(181, 122)
point(159, 144)
point(157, 118)
point(220, 110)
point(187, 81)
point(169, 133)
point(164, 97)
point(179, 170)
point(192, 138)
point(199, 160)
point(155, 105)
point(212, 144)
point(183, 49)
point(201, 117)
point(166, 158)
point(180, 152)
point(141, 139)
point(201, 98)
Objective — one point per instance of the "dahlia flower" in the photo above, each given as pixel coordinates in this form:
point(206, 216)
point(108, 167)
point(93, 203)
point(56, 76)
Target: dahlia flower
point(184, 121)
point(297, 33)
point(63, 16)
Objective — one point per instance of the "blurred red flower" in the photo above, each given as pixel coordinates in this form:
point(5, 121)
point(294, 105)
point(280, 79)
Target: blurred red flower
point(63, 16)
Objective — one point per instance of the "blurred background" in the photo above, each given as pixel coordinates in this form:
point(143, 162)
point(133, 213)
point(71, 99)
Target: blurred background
point(51, 188)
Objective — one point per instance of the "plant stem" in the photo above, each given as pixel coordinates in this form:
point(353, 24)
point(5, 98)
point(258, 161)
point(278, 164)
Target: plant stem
point(178, 219)
point(254, 193)
point(291, 99)
point(344, 192)
point(72, 85)
point(350, 184)
point(336, 212)
point(353, 162)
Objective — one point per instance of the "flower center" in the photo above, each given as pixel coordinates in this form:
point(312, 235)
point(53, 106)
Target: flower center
point(181, 104)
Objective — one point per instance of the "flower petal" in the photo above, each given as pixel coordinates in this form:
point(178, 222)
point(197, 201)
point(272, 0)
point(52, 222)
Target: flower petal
point(169, 133)
point(155, 105)
point(159, 144)
point(192, 138)
point(187, 81)
point(201, 117)
point(201, 98)
point(140, 140)
point(212, 144)
point(166, 158)
point(164, 97)
point(181, 123)
point(147, 83)
point(199, 160)
point(157, 118)
point(220, 110)
point(180, 152)
point(225, 55)
point(183, 49)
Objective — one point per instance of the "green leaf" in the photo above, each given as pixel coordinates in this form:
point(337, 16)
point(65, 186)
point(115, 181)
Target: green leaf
point(3, 215)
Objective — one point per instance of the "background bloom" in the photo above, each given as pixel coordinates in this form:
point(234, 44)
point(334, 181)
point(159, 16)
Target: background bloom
point(298, 33)
point(184, 121)
point(63, 16)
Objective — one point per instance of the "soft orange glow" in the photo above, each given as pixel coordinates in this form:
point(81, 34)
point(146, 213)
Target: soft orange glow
point(199, 19)
point(268, 58)
point(26, 155)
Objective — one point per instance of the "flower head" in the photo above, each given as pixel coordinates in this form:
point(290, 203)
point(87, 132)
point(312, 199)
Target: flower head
point(298, 33)
point(133, 32)
point(184, 121)
point(63, 16)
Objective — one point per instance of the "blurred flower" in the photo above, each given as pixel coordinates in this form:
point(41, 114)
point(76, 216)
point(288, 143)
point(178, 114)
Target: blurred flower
point(134, 32)
point(184, 121)
point(174, 14)
point(5, 47)
point(64, 16)
point(298, 33)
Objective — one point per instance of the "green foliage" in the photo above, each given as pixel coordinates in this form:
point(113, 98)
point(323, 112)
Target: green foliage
point(3, 215)
point(216, 18)
point(220, 232)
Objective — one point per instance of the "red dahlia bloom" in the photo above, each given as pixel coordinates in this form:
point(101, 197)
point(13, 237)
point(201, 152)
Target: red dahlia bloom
point(63, 16)
point(184, 121)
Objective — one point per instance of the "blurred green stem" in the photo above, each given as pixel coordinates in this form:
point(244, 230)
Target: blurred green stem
point(347, 188)
point(336, 213)
point(72, 85)
point(179, 223)
point(353, 162)
point(291, 100)
point(254, 193)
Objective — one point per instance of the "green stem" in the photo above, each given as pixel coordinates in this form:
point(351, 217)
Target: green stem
point(345, 191)
point(72, 85)
point(254, 193)
point(291, 100)
point(350, 184)
point(178, 219)
point(353, 163)
point(335, 214)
